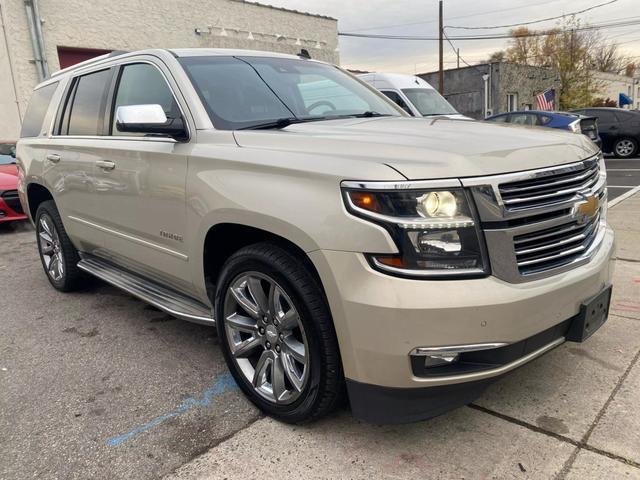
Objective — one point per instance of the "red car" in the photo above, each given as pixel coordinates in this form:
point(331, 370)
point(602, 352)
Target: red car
point(10, 208)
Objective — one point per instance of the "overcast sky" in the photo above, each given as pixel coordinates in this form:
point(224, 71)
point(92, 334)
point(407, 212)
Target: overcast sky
point(419, 17)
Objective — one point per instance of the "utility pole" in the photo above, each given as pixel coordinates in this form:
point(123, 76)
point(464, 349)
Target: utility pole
point(458, 54)
point(441, 62)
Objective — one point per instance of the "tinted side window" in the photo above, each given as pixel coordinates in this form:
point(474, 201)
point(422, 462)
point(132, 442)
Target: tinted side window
point(397, 99)
point(86, 104)
point(543, 119)
point(604, 116)
point(37, 109)
point(143, 84)
point(500, 119)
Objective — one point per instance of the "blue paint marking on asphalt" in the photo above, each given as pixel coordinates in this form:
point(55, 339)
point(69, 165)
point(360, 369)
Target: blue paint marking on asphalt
point(222, 383)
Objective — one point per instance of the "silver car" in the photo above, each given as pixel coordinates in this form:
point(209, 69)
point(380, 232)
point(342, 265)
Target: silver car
point(341, 248)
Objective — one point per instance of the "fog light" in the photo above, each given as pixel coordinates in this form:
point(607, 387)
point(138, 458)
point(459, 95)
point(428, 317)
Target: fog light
point(440, 359)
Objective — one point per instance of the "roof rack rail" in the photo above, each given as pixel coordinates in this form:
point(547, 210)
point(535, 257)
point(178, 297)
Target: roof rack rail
point(115, 53)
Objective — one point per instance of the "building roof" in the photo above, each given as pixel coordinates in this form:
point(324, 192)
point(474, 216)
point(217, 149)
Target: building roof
point(286, 9)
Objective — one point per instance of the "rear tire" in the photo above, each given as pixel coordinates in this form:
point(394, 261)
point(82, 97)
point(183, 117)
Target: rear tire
point(625, 148)
point(58, 255)
point(277, 334)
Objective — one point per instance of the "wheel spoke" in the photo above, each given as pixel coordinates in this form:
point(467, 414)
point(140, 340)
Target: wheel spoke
point(238, 293)
point(257, 292)
point(53, 267)
point(289, 320)
point(277, 379)
point(291, 372)
point(242, 323)
point(46, 237)
point(47, 248)
point(60, 263)
point(260, 373)
point(246, 347)
point(296, 349)
point(45, 225)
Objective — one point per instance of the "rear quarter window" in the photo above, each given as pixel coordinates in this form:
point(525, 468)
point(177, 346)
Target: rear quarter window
point(36, 111)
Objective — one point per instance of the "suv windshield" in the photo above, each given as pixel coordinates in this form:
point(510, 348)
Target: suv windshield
point(7, 153)
point(429, 102)
point(267, 92)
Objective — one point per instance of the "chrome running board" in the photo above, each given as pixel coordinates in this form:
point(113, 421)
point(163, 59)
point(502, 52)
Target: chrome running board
point(168, 300)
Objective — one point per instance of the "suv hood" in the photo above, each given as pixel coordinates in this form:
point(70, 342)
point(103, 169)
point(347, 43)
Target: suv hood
point(427, 148)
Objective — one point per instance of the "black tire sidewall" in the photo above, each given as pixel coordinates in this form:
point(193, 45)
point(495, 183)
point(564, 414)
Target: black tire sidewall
point(300, 409)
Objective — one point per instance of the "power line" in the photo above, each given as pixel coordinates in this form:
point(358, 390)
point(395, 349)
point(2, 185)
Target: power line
point(381, 27)
point(541, 33)
point(535, 21)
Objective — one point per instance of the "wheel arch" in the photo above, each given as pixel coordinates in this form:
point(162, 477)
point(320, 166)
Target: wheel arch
point(36, 194)
point(223, 239)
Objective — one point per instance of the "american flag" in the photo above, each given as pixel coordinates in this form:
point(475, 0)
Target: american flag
point(546, 100)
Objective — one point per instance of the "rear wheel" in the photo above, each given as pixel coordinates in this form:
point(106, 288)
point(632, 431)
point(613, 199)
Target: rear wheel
point(625, 148)
point(277, 335)
point(58, 255)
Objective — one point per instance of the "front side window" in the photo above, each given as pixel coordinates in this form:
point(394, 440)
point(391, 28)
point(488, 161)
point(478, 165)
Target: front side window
point(523, 119)
point(429, 102)
point(143, 84)
point(247, 92)
point(499, 119)
point(7, 153)
point(85, 106)
point(397, 99)
point(38, 106)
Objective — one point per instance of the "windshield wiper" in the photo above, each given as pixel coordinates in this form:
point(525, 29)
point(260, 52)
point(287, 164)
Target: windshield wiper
point(369, 114)
point(438, 114)
point(281, 123)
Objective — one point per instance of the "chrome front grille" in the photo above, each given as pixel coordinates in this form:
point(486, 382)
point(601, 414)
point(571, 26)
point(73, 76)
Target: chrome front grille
point(555, 186)
point(554, 247)
point(542, 222)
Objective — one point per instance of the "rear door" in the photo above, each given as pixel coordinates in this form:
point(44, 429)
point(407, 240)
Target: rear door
point(73, 152)
point(141, 180)
point(608, 126)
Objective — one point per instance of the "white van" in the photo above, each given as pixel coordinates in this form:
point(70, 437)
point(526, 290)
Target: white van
point(412, 94)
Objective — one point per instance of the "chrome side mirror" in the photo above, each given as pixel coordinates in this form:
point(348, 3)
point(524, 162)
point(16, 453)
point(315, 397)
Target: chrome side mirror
point(151, 120)
point(139, 115)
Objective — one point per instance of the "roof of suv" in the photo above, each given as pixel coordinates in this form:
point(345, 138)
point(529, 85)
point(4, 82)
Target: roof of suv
point(176, 52)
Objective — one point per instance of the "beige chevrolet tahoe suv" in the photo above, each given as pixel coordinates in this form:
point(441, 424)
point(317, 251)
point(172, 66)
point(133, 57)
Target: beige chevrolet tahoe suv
point(341, 248)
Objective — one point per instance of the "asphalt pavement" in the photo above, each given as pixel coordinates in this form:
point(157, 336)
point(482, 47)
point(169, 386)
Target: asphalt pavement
point(96, 384)
point(622, 176)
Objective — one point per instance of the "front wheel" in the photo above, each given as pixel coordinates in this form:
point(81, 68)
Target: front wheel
point(625, 148)
point(277, 334)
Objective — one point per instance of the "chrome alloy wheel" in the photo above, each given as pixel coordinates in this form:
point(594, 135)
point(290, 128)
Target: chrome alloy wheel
point(625, 148)
point(266, 337)
point(50, 248)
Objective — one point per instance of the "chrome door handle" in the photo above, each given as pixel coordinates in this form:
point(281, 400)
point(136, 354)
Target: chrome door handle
point(106, 164)
point(53, 157)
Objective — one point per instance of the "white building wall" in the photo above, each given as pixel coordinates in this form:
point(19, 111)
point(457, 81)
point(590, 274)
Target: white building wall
point(139, 24)
point(612, 85)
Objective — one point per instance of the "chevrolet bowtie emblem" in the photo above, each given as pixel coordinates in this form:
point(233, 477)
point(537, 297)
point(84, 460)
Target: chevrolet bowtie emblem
point(588, 209)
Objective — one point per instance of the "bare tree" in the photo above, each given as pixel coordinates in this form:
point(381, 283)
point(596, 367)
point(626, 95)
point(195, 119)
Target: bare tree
point(497, 56)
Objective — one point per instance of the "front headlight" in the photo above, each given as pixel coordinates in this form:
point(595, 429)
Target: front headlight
point(435, 230)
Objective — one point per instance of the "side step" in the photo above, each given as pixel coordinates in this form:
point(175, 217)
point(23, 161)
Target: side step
point(168, 300)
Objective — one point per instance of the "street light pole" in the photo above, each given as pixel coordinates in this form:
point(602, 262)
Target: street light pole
point(440, 44)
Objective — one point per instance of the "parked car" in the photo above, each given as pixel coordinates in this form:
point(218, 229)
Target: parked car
point(573, 122)
point(412, 262)
point(10, 207)
point(619, 130)
point(413, 94)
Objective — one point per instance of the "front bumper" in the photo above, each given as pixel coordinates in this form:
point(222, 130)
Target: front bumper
point(9, 213)
point(380, 319)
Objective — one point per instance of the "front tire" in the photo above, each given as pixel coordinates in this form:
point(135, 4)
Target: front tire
point(625, 148)
point(277, 335)
point(58, 255)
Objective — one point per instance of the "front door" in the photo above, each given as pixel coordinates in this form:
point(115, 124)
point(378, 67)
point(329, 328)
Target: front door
point(141, 183)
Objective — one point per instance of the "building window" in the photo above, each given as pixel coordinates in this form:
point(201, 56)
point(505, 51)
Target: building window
point(512, 102)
